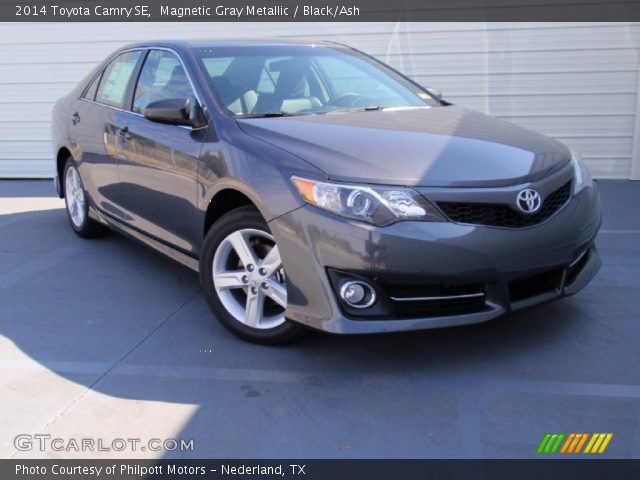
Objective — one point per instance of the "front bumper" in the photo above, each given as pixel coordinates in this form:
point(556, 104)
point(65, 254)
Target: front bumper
point(504, 262)
point(57, 186)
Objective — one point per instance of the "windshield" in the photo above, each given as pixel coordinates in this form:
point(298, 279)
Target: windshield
point(295, 80)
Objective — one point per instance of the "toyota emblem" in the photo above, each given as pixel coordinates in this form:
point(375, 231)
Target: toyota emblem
point(529, 201)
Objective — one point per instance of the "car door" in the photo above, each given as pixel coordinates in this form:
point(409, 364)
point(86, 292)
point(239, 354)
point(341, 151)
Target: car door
point(158, 173)
point(95, 124)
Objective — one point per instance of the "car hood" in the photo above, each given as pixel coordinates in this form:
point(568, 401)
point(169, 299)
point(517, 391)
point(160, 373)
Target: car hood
point(439, 146)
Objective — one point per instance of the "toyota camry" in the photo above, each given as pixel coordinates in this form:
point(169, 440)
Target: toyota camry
point(314, 187)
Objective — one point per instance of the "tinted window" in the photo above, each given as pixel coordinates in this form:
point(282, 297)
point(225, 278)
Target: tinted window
point(349, 77)
point(162, 77)
point(216, 66)
point(303, 79)
point(90, 94)
point(269, 76)
point(115, 79)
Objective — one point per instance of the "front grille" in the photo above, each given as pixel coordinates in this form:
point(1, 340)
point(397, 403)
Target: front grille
point(535, 285)
point(497, 215)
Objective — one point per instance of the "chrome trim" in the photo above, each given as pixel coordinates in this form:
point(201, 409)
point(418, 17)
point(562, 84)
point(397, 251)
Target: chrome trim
point(575, 262)
point(366, 286)
point(147, 49)
point(433, 299)
point(531, 199)
point(100, 72)
point(563, 280)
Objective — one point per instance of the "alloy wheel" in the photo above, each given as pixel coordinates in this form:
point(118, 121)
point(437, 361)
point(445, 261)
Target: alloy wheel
point(249, 279)
point(74, 195)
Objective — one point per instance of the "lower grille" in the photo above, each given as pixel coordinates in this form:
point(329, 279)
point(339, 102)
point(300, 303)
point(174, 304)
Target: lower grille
point(576, 267)
point(497, 215)
point(535, 285)
point(436, 300)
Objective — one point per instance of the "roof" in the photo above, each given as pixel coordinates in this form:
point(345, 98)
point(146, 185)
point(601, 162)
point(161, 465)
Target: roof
point(233, 42)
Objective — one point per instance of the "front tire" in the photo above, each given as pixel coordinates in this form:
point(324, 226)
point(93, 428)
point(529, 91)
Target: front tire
point(243, 279)
point(77, 203)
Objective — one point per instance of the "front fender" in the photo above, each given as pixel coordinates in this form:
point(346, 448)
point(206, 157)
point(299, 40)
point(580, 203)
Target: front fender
point(233, 183)
point(256, 169)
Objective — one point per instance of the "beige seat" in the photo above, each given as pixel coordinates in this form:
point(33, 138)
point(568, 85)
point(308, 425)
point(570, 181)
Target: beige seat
point(237, 99)
point(295, 105)
point(245, 103)
point(291, 93)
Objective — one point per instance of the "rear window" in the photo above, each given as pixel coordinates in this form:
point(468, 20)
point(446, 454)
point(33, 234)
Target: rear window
point(90, 94)
point(116, 77)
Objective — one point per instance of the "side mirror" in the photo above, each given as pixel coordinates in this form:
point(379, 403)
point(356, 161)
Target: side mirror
point(435, 93)
point(174, 111)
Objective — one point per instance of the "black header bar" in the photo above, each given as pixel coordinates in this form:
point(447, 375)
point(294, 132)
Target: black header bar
point(318, 10)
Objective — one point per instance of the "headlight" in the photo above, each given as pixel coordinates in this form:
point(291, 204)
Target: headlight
point(380, 206)
point(581, 176)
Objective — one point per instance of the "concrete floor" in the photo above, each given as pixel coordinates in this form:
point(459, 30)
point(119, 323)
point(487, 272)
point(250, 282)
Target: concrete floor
point(105, 339)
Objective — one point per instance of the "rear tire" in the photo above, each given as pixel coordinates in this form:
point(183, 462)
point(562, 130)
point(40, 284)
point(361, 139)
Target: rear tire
point(243, 279)
point(77, 203)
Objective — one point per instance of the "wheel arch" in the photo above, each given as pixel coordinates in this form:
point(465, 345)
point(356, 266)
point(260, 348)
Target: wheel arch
point(228, 197)
point(63, 154)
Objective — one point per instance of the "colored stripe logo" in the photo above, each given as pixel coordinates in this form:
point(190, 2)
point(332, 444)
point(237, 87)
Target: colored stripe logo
point(574, 442)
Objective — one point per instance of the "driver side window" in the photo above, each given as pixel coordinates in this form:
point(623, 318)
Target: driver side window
point(162, 77)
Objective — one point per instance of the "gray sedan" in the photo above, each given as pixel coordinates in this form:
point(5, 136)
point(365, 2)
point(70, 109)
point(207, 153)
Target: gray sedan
point(313, 186)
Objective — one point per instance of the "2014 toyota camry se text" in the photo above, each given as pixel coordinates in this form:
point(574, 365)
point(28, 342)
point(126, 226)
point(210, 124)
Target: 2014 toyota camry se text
point(314, 187)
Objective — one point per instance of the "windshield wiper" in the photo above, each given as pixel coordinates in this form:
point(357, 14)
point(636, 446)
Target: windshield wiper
point(370, 108)
point(270, 114)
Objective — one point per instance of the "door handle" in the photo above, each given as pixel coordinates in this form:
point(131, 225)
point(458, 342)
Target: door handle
point(75, 118)
point(124, 134)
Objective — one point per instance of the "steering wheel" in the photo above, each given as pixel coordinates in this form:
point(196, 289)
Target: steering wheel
point(348, 99)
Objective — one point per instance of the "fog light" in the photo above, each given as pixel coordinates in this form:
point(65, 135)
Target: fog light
point(357, 294)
